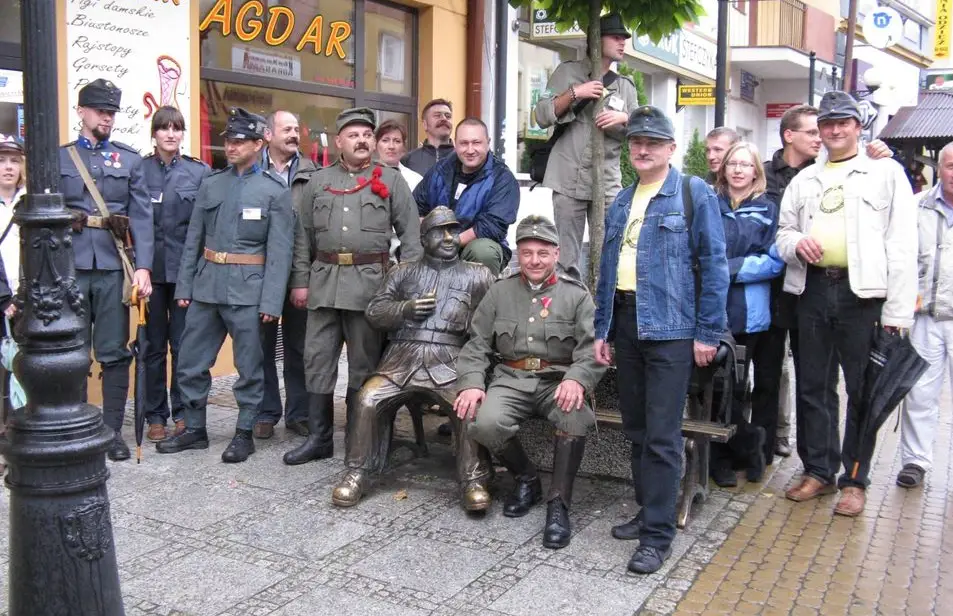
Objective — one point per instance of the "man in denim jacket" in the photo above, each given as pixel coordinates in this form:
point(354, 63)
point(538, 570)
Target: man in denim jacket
point(646, 304)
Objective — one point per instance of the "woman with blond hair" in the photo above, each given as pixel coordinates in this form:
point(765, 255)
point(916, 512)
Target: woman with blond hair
point(750, 219)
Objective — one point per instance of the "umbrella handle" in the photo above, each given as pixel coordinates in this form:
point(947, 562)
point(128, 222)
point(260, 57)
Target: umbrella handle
point(140, 304)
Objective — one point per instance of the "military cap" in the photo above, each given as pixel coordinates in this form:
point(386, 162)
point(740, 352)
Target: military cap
point(244, 125)
point(10, 142)
point(356, 114)
point(535, 227)
point(100, 94)
point(837, 105)
point(611, 24)
point(440, 216)
point(649, 121)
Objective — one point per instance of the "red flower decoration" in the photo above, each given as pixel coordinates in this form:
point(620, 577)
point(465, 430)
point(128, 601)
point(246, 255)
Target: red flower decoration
point(377, 187)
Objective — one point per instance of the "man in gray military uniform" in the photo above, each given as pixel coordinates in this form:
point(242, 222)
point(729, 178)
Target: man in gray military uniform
point(539, 321)
point(575, 103)
point(233, 276)
point(116, 171)
point(341, 254)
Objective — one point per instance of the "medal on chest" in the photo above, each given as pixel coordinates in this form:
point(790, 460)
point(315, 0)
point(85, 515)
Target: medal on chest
point(546, 301)
point(112, 159)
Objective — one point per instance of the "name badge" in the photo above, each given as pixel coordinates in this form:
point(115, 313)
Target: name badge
point(251, 213)
point(157, 198)
point(615, 103)
point(460, 189)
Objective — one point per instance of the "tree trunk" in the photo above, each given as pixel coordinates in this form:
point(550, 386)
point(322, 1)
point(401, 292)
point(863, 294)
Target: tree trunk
point(849, 46)
point(598, 207)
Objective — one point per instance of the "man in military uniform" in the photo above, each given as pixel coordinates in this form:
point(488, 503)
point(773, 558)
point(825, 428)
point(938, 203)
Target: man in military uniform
point(427, 306)
point(539, 321)
point(116, 174)
point(341, 253)
point(233, 276)
point(173, 179)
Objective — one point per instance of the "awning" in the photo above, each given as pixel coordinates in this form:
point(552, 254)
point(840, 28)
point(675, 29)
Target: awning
point(929, 124)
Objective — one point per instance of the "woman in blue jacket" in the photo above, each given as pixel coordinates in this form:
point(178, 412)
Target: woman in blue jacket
point(751, 221)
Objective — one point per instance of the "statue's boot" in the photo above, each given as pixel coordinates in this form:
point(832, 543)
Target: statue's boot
point(349, 490)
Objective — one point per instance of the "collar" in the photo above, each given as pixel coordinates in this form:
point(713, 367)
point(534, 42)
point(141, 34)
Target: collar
point(440, 264)
point(553, 279)
point(370, 161)
point(86, 144)
point(16, 197)
point(172, 163)
point(778, 162)
point(256, 168)
point(669, 184)
point(271, 161)
point(427, 145)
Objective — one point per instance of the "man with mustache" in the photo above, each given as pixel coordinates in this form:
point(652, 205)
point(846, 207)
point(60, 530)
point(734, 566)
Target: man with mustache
point(349, 213)
point(282, 157)
point(437, 117)
point(111, 175)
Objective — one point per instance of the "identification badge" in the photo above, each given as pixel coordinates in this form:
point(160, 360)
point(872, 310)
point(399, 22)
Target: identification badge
point(460, 189)
point(157, 198)
point(251, 213)
point(615, 103)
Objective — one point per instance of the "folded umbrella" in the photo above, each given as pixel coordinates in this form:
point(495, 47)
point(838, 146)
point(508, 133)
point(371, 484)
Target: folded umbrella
point(140, 347)
point(893, 368)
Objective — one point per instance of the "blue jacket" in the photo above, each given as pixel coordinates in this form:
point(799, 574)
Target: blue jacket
point(665, 286)
point(488, 204)
point(752, 262)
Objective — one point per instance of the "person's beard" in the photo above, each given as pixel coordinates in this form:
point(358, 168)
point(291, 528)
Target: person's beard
point(100, 134)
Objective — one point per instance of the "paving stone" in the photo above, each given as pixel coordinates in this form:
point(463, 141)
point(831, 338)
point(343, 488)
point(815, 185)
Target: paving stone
point(493, 523)
point(339, 602)
point(131, 544)
point(548, 590)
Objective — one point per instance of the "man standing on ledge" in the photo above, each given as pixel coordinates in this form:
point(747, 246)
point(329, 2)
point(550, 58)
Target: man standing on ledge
point(848, 232)
point(98, 174)
point(233, 277)
point(574, 104)
point(341, 253)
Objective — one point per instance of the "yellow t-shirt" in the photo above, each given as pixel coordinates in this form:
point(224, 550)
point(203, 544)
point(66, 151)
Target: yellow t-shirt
point(630, 235)
point(830, 220)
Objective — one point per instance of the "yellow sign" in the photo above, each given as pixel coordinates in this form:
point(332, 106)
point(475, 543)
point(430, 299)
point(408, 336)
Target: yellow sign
point(941, 32)
point(696, 95)
point(250, 22)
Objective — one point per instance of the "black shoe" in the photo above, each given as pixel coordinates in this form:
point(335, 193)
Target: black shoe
point(242, 446)
point(527, 492)
point(444, 429)
point(320, 441)
point(630, 530)
point(782, 447)
point(723, 476)
point(757, 464)
point(117, 451)
point(192, 438)
point(558, 530)
point(648, 559)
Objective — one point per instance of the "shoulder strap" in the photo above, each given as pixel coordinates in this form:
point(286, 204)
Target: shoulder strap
point(607, 80)
point(688, 204)
point(88, 181)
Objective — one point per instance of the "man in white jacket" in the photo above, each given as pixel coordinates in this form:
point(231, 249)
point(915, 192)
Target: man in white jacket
point(932, 334)
point(848, 233)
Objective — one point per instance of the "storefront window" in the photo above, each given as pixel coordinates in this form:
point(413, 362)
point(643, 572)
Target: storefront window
point(11, 103)
point(316, 116)
point(536, 64)
point(388, 49)
point(10, 22)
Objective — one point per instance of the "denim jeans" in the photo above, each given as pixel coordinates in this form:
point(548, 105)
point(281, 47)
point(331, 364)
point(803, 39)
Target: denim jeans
point(835, 329)
point(653, 377)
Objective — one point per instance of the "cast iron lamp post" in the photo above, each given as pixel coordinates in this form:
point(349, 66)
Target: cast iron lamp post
point(62, 557)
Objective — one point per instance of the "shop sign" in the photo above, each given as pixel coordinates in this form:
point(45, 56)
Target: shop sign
point(748, 84)
point(275, 28)
point(776, 110)
point(665, 50)
point(942, 81)
point(941, 31)
point(541, 27)
point(259, 62)
point(11, 86)
point(697, 54)
point(696, 95)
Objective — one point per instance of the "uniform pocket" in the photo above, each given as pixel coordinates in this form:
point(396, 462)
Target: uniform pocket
point(504, 332)
point(210, 212)
point(455, 308)
point(253, 230)
point(321, 213)
point(560, 340)
point(374, 216)
point(71, 184)
point(252, 272)
point(184, 205)
point(115, 184)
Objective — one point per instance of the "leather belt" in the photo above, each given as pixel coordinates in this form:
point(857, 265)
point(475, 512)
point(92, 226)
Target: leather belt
point(831, 273)
point(625, 297)
point(233, 258)
point(423, 335)
point(530, 364)
point(96, 222)
point(352, 258)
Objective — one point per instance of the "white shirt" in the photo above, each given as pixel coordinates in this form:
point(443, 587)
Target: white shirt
point(10, 248)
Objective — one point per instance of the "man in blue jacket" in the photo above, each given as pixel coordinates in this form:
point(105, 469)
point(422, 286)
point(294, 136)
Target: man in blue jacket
point(481, 191)
point(646, 304)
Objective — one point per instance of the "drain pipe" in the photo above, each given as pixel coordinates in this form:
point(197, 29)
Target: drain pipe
point(499, 85)
point(475, 33)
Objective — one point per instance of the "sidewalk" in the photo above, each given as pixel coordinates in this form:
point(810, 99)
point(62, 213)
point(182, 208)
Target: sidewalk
point(195, 536)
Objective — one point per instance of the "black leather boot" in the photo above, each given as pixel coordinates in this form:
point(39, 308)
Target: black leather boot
point(115, 389)
point(528, 490)
point(117, 450)
point(242, 446)
point(567, 455)
point(320, 441)
point(191, 438)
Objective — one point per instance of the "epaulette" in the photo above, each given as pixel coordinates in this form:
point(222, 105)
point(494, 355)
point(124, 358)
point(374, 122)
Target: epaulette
point(218, 171)
point(123, 146)
point(568, 277)
point(74, 142)
point(193, 159)
point(149, 155)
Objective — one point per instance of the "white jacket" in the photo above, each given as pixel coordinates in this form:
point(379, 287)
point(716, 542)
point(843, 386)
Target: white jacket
point(935, 258)
point(881, 233)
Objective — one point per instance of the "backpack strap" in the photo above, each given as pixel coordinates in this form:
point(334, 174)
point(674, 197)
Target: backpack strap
point(688, 206)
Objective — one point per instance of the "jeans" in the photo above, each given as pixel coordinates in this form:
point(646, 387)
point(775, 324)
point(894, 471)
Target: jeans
point(653, 378)
point(293, 325)
point(164, 331)
point(835, 329)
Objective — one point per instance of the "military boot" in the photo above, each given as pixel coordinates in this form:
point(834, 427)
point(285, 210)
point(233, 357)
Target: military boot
point(528, 490)
point(475, 495)
point(320, 441)
point(242, 446)
point(115, 390)
point(189, 438)
point(349, 490)
point(567, 455)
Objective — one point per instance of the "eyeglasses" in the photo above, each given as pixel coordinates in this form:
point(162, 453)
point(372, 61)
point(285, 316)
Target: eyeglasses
point(810, 133)
point(739, 164)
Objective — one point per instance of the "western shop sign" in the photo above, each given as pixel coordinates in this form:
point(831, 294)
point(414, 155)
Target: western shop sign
point(275, 25)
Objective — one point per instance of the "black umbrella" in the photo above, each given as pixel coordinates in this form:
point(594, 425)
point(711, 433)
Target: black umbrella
point(140, 347)
point(893, 368)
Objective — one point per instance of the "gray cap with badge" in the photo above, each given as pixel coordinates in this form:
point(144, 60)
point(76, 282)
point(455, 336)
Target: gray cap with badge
point(244, 125)
point(100, 94)
point(535, 227)
point(649, 121)
point(838, 105)
point(363, 115)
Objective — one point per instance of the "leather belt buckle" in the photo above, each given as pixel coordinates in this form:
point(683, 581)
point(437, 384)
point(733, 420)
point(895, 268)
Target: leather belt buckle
point(219, 257)
point(345, 258)
point(531, 363)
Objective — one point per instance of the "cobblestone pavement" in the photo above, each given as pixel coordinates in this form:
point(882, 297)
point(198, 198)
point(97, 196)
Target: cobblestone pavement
point(195, 536)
